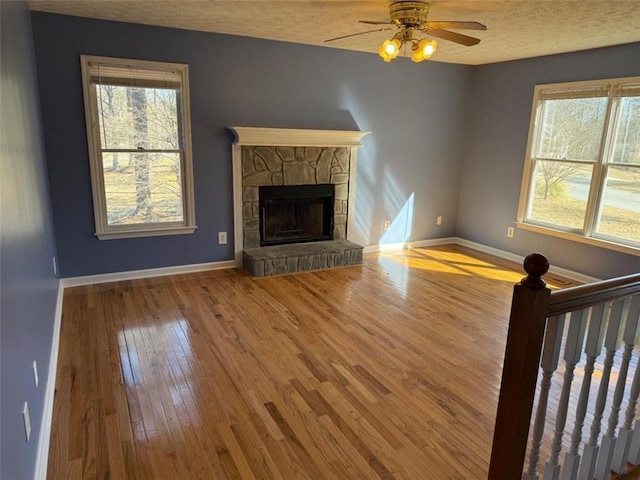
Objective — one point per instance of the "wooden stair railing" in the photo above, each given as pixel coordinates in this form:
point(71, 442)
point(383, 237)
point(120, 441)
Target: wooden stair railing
point(605, 313)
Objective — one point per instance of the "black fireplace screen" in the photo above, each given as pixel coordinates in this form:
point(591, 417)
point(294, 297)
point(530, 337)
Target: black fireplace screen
point(296, 213)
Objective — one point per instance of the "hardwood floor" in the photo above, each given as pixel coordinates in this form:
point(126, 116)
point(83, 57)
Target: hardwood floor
point(386, 370)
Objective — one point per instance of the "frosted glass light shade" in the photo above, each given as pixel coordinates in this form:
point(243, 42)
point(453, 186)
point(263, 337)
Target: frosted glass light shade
point(390, 49)
point(427, 47)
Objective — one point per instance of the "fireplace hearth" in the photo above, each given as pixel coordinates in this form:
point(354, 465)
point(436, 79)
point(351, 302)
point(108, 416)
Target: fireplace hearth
point(296, 213)
point(280, 230)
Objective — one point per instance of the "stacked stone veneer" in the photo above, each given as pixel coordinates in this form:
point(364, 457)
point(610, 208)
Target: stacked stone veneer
point(301, 257)
point(293, 166)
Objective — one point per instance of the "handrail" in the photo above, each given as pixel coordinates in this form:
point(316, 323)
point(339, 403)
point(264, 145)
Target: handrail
point(583, 296)
point(532, 303)
point(520, 371)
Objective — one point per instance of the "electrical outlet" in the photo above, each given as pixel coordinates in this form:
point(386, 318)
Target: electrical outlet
point(55, 266)
point(222, 238)
point(27, 420)
point(386, 225)
point(439, 220)
point(510, 232)
point(35, 373)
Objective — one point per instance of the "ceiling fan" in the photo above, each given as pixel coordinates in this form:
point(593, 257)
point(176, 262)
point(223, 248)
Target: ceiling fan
point(410, 18)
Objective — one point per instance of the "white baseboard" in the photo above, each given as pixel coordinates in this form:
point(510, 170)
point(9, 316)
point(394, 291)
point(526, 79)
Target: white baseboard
point(432, 242)
point(147, 273)
point(383, 247)
point(42, 455)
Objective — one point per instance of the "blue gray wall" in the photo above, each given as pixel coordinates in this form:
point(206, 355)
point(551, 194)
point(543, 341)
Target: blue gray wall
point(410, 163)
point(28, 290)
point(419, 162)
point(496, 141)
point(447, 139)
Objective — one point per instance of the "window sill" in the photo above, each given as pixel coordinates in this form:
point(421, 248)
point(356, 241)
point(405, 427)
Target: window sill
point(145, 233)
point(596, 242)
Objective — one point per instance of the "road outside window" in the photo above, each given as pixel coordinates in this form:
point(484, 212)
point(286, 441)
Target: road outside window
point(582, 172)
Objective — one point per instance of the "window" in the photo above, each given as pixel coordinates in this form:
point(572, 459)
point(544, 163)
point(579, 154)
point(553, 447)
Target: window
point(582, 171)
point(139, 138)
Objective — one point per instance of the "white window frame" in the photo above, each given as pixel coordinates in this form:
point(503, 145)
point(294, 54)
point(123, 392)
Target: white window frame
point(104, 231)
point(588, 234)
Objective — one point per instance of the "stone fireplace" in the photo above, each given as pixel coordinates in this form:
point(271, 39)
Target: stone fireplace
point(293, 166)
point(308, 177)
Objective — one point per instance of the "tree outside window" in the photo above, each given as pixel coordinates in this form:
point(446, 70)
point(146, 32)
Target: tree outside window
point(582, 173)
point(137, 115)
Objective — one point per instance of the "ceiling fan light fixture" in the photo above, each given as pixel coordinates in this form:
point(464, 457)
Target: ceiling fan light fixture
point(409, 17)
point(417, 56)
point(427, 47)
point(390, 49)
point(423, 50)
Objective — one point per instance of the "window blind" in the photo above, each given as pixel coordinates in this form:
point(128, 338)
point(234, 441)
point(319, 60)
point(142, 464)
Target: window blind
point(101, 74)
point(574, 93)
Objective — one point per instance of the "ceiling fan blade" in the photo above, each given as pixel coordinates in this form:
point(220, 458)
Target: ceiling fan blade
point(375, 22)
point(453, 37)
point(457, 25)
point(359, 33)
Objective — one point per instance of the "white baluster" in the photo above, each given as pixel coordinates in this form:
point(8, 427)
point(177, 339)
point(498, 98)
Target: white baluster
point(593, 347)
point(572, 353)
point(634, 449)
point(621, 452)
point(605, 457)
point(549, 364)
point(592, 448)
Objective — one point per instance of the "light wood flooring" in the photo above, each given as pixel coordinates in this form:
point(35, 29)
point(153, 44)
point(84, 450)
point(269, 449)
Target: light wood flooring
point(386, 370)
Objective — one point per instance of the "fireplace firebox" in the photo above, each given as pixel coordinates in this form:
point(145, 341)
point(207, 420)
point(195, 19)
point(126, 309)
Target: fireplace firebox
point(296, 213)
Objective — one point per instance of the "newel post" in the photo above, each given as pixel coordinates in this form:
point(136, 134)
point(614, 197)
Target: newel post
point(520, 370)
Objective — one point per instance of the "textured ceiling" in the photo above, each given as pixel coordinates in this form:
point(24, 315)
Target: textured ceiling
point(515, 28)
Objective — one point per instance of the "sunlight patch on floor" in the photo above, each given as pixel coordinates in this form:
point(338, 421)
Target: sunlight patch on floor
point(460, 264)
point(452, 263)
point(452, 257)
point(412, 261)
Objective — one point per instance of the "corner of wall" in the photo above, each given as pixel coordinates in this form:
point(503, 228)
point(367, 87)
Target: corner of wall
point(42, 456)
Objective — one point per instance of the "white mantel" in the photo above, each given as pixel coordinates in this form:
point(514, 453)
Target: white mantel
point(288, 137)
point(284, 137)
